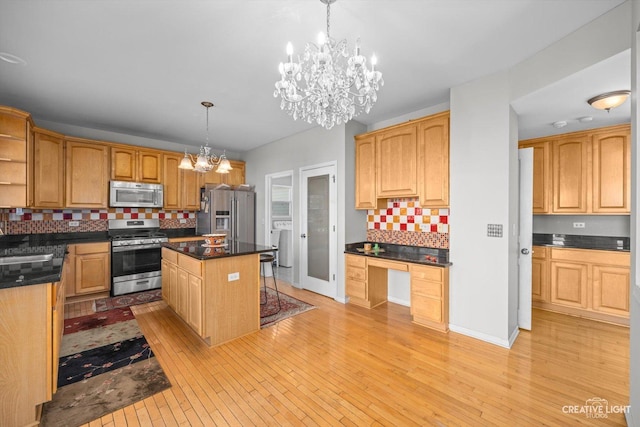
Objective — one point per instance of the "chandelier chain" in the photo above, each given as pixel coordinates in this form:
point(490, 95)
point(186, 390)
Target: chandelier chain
point(328, 19)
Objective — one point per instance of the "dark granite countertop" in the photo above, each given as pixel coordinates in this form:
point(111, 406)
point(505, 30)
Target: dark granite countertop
point(32, 273)
point(413, 254)
point(195, 249)
point(603, 243)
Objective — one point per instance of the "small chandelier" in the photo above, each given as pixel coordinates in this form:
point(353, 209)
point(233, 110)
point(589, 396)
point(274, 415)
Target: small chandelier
point(609, 100)
point(336, 86)
point(206, 160)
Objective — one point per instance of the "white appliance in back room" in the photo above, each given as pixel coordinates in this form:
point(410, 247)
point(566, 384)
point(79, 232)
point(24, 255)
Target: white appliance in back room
point(285, 250)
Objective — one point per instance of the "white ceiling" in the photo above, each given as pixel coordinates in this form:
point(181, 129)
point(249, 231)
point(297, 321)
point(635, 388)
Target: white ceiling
point(142, 67)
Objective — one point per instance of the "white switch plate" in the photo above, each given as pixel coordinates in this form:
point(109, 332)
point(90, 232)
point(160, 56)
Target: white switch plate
point(233, 276)
point(425, 227)
point(74, 223)
point(578, 225)
point(183, 221)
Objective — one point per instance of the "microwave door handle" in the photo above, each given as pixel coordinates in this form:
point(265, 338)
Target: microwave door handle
point(155, 198)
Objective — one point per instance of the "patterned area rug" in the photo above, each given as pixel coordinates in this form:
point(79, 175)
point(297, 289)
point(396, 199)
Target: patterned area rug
point(105, 364)
point(290, 306)
point(128, 300)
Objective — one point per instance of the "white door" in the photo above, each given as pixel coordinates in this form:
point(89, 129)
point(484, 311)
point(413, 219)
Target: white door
point(525, 157)
point(318, 215)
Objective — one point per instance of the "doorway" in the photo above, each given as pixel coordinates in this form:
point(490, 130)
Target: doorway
point(318, 240)
point(279, 222)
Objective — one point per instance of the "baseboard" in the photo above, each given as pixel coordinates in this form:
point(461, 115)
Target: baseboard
point(628, 416)
point(399, 301)
point(481, 336)
point(343, 300)
point(513, 337)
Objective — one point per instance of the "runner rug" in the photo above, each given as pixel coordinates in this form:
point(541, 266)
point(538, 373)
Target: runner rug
point(105, 365)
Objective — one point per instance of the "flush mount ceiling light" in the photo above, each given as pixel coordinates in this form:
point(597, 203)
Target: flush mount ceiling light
point(559, 124)
point(327, 85)
point(609, 100)
point(206, 160)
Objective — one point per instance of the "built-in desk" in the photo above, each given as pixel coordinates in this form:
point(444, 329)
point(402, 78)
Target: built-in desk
point(366, 285)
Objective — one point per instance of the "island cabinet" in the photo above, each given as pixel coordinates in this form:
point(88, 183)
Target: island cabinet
point(405, 160)
point(583, 282)
point(217, 298)
point(586, 172)
point(31, 327)
point(132, 164)
point(366, 285)
point(15, 156)
point(87, 174)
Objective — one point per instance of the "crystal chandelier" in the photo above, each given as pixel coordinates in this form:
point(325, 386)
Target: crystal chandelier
point(326, 85)
point(206, 160)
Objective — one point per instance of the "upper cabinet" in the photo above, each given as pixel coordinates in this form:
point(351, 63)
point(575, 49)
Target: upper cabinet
point(235, 177)
point(433, 161)
point(397, 162)
point(48, 169)
point(131, 164)
point(87, 174)
point(15, 156)
point(586, 172)
point(407, 160)
point(181, 187)
point(612, 171)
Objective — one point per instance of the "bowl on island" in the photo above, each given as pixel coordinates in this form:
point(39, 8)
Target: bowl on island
point(214, 239)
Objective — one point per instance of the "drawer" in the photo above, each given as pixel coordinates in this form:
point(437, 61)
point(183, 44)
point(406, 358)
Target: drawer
point(169, 255)
point(356, 273)
point(92, 248)
point(390, 265)
point(425, 287)
point(191, 265)
point(427, 273)
point(356, 261)
point(622, 259)
point(539, 252)
point(356, 288)
point(426, 308)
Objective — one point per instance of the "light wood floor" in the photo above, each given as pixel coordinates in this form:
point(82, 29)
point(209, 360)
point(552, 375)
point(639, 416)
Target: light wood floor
point(348, 366)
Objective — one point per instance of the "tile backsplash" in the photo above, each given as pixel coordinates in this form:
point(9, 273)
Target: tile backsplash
point(57, 220)
point(405, 222)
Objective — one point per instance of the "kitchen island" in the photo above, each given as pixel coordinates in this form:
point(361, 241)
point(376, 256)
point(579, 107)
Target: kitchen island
point(214, 290)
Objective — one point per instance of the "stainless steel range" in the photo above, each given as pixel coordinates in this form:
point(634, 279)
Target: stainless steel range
point(135, 255)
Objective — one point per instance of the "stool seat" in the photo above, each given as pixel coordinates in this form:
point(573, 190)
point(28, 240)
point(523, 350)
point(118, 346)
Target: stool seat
point(267, 258)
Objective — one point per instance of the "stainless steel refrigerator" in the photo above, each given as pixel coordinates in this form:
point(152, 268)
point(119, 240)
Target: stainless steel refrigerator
point(232, 212)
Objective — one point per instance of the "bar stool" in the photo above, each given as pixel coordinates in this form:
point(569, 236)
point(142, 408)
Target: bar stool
point(268, 259)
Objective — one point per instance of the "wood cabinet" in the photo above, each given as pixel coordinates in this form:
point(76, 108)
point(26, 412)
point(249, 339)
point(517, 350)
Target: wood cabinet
point(235, 177)
point(366, 285)
point(365, 173)
point(430, 296)
point(190, 191)
point(90, 268)
point(406, 160)
point(611, 171)
point(87, 174)
point(15, 156)
point(217, 309)
point(31, 323)
point(541, 175)
point(433, 161)
point(540, 274)
point(48, 169)
point(585, 172)
point(570, 175)
point(181, 187)
point(132, 164)
point(397, 162)
point(583, 282)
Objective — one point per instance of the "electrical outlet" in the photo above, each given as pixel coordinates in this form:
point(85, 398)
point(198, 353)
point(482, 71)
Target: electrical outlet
point(74, 223)
point(233, 276)
point(425, 227)
point(579, 225)
point(183, 221)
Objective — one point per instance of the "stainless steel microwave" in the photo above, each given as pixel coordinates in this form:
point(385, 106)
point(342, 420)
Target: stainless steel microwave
point(124, 194)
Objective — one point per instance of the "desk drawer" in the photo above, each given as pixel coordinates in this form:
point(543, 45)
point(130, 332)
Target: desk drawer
point(356, 288)
point(426, 308)
point(427, 273)
point(356, 273)
point(356, 261)
point(391, 265)
point(425, 287)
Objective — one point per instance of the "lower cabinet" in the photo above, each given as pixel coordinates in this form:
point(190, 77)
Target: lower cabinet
point(366, 285)
point(582, 282)
point(31, 326)
point(90, 268)
point(182, 287)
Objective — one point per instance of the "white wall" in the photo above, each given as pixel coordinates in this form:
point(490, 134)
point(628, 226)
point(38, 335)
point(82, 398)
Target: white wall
point(314, 146)
point(480, 163)
point(633, 417)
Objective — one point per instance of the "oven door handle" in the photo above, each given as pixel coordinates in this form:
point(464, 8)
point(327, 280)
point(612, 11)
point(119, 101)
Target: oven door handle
point(135, 248)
